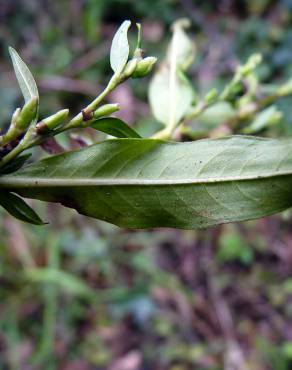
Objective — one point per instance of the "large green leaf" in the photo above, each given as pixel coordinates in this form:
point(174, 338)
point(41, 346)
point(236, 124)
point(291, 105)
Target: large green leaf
point(150, 183)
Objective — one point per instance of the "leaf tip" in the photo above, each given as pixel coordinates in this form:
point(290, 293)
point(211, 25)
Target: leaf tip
point(119, 53)
point(126, 23)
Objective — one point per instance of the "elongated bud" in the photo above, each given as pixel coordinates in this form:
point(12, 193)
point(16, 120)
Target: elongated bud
point(15, 116)
point(27, 114)
point(211, 96)
point(144, 66)
point(13, 131)
point(106, 110)
point(253, 61)
point(49, 123)
point(130, 68)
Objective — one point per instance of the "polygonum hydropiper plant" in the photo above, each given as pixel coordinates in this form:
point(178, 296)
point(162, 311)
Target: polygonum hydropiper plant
point(154, 182)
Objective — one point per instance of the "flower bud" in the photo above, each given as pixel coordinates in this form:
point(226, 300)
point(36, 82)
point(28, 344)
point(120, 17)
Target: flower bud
point(27, 114)
point(105, 110)
point(15, 116)
point(253, 61)
point(144, 66)
point(51, 122)
point(13, 131)
point(130, 68)
point(211, 96)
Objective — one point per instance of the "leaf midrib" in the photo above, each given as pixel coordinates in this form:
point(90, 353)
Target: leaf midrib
point(10, 181)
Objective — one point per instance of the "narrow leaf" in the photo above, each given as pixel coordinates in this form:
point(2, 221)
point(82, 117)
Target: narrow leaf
point(115, 127)
point(14, 165)
point(142, 183)
point(25, 78)
point(120, 49)
point(18, 208)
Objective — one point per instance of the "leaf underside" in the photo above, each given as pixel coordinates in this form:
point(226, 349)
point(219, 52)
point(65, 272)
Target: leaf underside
point(150, 183)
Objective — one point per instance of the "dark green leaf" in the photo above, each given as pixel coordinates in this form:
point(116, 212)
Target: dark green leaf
point(14, 165)
point(142, 183)
point(18, 208)
point(114, 127)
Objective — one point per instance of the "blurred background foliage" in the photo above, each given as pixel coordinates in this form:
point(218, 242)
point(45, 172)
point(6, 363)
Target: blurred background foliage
point(81, 294)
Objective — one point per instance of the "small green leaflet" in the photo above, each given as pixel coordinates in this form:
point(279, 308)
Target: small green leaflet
point(18, 208)
point(115, 127)
point(120, 49)
point(25, 78)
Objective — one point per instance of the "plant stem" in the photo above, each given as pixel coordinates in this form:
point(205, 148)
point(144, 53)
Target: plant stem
point(9, 136)
point(251, 109)
point(31, 137)
point(13, 338)
point(172, 124)
point(168, 131)
point(46, 348)
point(79, 118)
point(25, 143)
point(246, 112)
